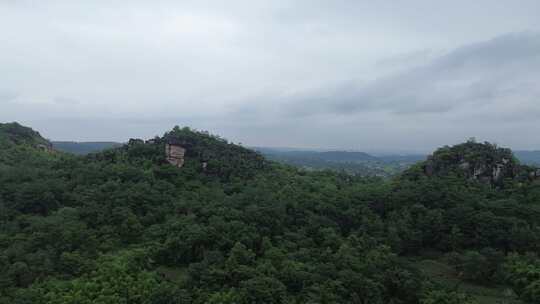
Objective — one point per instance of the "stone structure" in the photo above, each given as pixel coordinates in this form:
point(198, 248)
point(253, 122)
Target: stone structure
point(175, 154)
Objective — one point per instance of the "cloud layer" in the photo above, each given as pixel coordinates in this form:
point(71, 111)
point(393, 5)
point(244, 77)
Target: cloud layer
point(280, 73)
point(501, 70)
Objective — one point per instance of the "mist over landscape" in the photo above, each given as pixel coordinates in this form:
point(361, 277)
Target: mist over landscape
point(281, 152)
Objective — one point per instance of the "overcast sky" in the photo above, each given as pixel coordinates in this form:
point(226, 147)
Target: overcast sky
point(364, 75)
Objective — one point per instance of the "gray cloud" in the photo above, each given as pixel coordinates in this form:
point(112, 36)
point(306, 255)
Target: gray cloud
point(7, 96)
point(274, 72)
point(503, 69)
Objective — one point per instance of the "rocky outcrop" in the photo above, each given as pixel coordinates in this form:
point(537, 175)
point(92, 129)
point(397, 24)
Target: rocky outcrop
point(45, 147)
point(175, 154)
point(492, 173)
point(535, 174)
point(485, 163)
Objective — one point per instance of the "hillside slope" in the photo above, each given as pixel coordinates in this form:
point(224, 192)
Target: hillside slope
point(16, 134)
point(217, 223)
point(482, 162)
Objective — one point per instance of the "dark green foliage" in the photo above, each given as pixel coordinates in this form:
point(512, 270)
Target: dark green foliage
point(125, 226)
point(478, 266)
point(14, 133)
point(523, 273)
point(446, 297)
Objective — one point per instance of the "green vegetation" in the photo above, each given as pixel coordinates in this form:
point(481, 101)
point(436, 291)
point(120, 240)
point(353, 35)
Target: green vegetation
point(125, 226)
point(14, 133)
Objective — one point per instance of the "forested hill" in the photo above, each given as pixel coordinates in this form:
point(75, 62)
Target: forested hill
point(480, 162)
point(358, 163)
point(16, 134)
point(191, 218)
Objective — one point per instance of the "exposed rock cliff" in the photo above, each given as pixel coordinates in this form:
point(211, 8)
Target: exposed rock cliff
point(175, 154)
point(209, 154)
point(483, 162)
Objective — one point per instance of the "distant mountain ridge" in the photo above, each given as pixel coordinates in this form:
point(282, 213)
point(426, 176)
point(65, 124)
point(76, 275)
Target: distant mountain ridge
point(528, 157)
point(84, 147)
point(354, 162)
point(338, 155)
point(524, 156)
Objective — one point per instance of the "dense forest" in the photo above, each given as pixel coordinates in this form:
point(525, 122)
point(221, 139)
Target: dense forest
point(125, 226)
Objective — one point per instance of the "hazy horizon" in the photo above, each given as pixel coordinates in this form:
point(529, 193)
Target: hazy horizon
point(379, 152)
point(360, 75)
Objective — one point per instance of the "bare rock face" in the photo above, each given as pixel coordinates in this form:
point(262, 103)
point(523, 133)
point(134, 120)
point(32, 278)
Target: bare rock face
point(175, 154)
point(478, 171)
point(45, 148)
point(483, 162)
point(497, 171)
point(465, 166)
point(428, 168)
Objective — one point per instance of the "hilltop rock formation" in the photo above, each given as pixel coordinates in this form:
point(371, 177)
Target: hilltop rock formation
point(483, 162)
point(535, 173)
point(45, 147)
point(175, 154)
point(209, 154)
